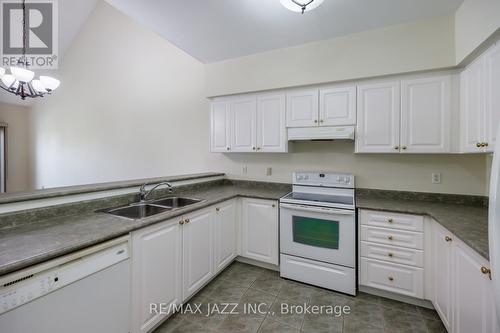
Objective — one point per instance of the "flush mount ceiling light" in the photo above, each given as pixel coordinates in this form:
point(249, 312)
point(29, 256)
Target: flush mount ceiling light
point(301, 6)
point(20, 80)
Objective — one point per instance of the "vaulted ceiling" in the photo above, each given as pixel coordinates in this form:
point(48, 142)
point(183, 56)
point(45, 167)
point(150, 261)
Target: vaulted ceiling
point(215, 30)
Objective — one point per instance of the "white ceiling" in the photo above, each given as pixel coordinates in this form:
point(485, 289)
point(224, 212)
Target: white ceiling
point(215, 30)
point(72, 16)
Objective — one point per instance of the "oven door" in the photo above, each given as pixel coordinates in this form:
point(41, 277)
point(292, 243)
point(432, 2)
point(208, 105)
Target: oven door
point(318, 233)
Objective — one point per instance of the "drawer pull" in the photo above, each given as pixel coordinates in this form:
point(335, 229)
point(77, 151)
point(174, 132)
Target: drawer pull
point(486, 270)
point(390, 237)
point(391, 278)
point(448, 239)
point(390, 220)
point(390, 254)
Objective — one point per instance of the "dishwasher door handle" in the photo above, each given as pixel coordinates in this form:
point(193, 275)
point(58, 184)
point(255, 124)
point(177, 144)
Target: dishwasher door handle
point(317, 209)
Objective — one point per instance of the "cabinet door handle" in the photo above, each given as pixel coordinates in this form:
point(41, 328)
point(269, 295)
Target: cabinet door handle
point(181, 222)
point(396, 147)
point(258, 148)
point(228, 148)
point(448, 238)
point(315, 121)
point(391, 278)
point(486, 270)
point(321, 121)
point(404, 147)
point(253, 148)
point(390, 220)
point(486, 144)
point(186, 220)
point(390, 237)
point(390, 254)
point(217, 209)
point(479, 145)
point(273, 205)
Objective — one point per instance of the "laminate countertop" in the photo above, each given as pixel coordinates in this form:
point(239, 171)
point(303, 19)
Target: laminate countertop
point(33, 240)
point(468, 222)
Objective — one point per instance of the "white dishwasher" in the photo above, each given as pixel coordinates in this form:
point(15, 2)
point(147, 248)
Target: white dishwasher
point(86, 291)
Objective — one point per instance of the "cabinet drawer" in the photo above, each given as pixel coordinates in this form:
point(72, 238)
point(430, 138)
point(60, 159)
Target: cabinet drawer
point(393, 254)
point(392, 220)
point(401, 279)
point(414, 240)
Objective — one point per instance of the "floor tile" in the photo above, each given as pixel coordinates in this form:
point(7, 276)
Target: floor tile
point(366, 311)
point(284, 311)
point(257, 298)
point(296, 291)
point(429, 313)
point(272, 326)
point(435, 326)
point(268, 284)
point(327, 297)
point(242, 323)
point(389, 303)
point(227, 292)
point(322, 324)
point(360, 325)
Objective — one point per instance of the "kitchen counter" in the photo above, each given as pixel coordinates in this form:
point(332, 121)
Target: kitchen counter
point(468, 220)
point(33, 241)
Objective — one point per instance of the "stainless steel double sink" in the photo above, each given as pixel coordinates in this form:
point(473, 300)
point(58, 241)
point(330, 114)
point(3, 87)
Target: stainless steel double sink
point(140, 210)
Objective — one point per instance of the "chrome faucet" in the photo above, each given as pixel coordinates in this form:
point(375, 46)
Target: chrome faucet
point(143, 194)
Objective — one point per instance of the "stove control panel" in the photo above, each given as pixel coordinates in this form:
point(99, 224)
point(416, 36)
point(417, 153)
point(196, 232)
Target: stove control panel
point(326, 179)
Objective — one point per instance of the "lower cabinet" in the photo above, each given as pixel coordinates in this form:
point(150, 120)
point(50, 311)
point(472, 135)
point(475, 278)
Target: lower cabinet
point(156, 273)
point(259, 230)
point(174, 259)
point(197, 250)
point(462, 286)
point(225, 234)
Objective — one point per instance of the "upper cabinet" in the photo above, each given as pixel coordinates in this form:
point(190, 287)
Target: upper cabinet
point(337, 106)
point(378, 118)
point(409, 116)
point(243, 124)
point(480, 102)
point(329, 106)
point(426, 115)
point(251, 123)
point(220, 126)
point(302, 108)
point(271, 131)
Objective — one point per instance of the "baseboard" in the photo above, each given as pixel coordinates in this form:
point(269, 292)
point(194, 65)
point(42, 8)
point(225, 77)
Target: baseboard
point(406, 299)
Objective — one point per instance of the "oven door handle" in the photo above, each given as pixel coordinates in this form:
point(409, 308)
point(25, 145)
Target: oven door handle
point(317, 209)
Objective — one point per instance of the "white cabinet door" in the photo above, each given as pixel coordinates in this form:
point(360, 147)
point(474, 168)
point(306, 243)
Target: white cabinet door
point(492, 90)
point(442, 260)
point(473, 303)
point(220, 126)
point(156, 272)
point(243, 122)
point(197, 245)
point(472, 107)
point(225, 234)
point(425, 115)
point(260, 230)
point(378, 116)
point(302, 108)
point(337, 106)
point(271, 129)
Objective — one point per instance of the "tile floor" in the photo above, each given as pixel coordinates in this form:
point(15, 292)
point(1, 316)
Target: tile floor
point(241, 284)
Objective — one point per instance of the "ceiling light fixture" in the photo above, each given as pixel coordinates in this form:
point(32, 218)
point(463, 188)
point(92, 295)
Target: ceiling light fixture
point(20, 80)
point(301, 6)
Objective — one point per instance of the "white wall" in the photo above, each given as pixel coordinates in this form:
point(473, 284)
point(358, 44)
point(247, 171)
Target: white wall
point(461, 174)
point(421, 45)
point(18, 150)
point(475, 21)
point(131, 105)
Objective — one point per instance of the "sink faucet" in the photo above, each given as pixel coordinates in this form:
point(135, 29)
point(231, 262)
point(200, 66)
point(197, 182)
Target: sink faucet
point(143, 194)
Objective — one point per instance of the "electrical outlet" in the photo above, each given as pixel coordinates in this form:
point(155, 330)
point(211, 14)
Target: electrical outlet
point(436, 178)
point(244, 169)
point(269, 171)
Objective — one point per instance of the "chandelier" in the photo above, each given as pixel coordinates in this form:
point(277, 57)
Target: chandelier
point(20, 80)
point(301, 6)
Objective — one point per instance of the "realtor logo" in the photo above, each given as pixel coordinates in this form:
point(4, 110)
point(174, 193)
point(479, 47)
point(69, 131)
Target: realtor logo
point(41, 33)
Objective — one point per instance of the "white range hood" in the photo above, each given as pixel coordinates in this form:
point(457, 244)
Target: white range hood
point(321, 133)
